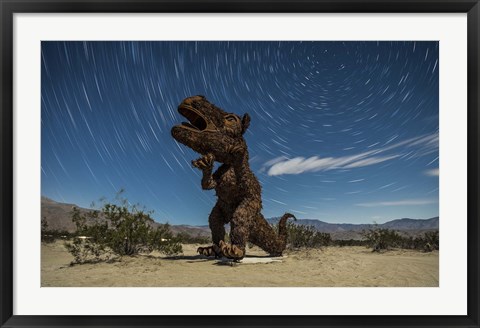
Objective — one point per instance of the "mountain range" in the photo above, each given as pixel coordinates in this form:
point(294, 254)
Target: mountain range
point(58, 217)
point(406, 226)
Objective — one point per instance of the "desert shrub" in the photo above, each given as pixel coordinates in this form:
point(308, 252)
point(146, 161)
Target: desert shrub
point(381, 239)
point(428, 242)
point(432, 241)
point(85, 250)
point(46, 236)
point(300, 236)
point(120, 229)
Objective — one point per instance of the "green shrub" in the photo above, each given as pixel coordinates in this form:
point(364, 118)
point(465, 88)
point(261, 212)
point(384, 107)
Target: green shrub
point(381, 239)
point(85, 250)
point(430, 241)
point(300, 236)
point(119, 229)
point(46, 236)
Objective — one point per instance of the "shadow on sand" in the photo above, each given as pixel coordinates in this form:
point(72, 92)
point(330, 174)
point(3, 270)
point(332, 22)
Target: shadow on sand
point(249, 259)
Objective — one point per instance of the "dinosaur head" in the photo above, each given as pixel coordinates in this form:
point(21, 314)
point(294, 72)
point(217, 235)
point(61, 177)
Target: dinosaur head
point(210, 129)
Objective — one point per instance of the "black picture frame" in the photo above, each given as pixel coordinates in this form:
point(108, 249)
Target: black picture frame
point(10, 7)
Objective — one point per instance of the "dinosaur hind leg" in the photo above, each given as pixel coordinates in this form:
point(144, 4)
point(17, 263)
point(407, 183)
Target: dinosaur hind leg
point(217, 224)
point(240, 228)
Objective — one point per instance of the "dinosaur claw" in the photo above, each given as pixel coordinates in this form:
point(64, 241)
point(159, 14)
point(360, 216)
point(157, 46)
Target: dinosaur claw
point(209, 251)
point(204, 162)
point(209, 159)
point(231, 251)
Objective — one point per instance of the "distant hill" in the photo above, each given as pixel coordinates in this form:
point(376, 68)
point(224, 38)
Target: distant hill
point(200, 231)
point(408, 227)
point(411, 224)
point(58, 214)
point(58, 217)
point(399, 224)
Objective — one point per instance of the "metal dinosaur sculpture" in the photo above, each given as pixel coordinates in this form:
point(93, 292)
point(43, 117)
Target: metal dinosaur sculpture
point(218, 136)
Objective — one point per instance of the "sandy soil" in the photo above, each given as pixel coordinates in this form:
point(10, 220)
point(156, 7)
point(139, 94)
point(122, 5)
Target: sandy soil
point(327, 267)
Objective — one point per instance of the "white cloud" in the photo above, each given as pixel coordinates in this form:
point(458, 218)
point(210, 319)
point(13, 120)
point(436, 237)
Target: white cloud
point(405, 202)
point(370, 161)
point(281, 165)
point(275, 160)
point(432, 172)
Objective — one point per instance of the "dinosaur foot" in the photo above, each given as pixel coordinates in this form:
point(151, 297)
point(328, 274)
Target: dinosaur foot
point(213, 250)
point(231, 251)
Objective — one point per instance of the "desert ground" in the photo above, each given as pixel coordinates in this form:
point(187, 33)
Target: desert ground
point(326, 267)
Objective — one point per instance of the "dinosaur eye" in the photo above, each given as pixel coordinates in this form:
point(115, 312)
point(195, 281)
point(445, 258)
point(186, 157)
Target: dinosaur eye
point(231, 118)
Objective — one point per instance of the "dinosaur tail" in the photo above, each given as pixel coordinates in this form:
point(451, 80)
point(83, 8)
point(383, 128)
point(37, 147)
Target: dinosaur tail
point(282, 226)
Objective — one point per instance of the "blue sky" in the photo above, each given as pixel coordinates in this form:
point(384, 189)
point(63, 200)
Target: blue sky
point(340, 131)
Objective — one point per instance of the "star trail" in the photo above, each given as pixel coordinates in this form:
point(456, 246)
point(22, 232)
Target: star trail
point(340, 131)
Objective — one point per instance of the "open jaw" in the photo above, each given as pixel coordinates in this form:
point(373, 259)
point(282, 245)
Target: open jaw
point(196, 121)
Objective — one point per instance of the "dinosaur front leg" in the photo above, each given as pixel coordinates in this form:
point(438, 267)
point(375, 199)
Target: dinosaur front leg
point(205, 163)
